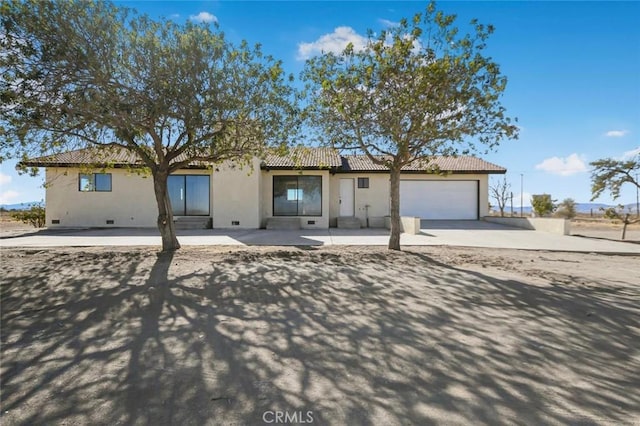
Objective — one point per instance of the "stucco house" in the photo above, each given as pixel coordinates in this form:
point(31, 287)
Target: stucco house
point(313, 187)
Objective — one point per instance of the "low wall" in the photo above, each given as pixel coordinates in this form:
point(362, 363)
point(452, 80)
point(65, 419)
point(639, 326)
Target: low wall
point(545, 224)
point(408, 224)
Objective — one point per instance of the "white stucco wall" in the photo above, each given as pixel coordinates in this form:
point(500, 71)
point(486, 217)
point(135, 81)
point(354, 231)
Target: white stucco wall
point(131, 201)
point(267, 197)
point(377, 195)
point(236, 196)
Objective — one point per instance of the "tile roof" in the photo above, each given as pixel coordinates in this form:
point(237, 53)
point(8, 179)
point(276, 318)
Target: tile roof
point(460, 164)
point(112, 155)
point(304, 158)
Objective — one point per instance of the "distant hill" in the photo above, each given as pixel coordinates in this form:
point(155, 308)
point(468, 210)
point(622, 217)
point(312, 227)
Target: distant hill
point(587, 207)
point(584, 208)
point(21, 206)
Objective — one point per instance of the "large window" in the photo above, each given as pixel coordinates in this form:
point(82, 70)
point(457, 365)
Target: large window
point(189, 194)
point(297, 195)
point(100, 182)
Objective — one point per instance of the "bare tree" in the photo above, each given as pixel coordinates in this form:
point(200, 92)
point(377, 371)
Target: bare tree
point(500, 191)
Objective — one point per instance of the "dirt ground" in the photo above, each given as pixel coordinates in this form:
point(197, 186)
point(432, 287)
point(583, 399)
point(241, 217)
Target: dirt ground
point(335, 335)
point(604, 228)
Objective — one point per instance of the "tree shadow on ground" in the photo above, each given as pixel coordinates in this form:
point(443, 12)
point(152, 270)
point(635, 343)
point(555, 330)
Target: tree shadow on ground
point(368, 338)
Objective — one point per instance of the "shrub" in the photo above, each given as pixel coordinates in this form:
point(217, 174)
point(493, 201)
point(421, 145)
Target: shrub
point(542, 204)
point(35, 216)
point(567, 208)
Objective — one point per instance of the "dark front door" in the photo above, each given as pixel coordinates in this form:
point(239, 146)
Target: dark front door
point(189, 195)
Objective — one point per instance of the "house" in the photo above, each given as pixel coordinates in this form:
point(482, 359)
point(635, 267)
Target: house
point(312, 187)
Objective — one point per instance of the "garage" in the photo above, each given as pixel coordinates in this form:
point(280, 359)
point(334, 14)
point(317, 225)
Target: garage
point(439, 200)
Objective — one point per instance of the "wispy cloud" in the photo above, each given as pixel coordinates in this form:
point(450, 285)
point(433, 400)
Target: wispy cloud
point(628, 155)
point(174, 16)
point(616, 133)
point(570, 165)
point(204, 17)
point(4, 179)
point(334, 42)
point(388, 23)
point(7, 197)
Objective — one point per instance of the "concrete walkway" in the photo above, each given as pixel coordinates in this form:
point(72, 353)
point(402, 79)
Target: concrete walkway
point(449, 233)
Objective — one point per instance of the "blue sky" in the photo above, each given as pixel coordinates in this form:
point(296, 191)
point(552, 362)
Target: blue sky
point(573, 70)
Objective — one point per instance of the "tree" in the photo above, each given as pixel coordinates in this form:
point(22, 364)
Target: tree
point(542, 204)
point(618, 213)
point(90, 74)
point(415, 91)
point(567, 208)
point(500, 191)
point(609, 174)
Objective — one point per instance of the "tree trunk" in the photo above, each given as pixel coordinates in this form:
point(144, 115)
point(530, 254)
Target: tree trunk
point(624, 227)
point(394, 238)
point(165, 213)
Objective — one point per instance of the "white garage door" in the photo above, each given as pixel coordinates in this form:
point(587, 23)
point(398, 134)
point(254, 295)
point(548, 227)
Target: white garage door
point(433, 199)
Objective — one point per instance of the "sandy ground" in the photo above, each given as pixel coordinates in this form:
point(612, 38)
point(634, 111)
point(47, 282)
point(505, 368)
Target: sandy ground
point(337, 335)
point(603, 228)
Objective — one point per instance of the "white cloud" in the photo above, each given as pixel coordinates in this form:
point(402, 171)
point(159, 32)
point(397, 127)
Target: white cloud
point(334, 42)
point(174, 16)
point(628, 155)
point(4, 179)
point(204, 17)
point(570, 165)
point(526, 201)
point(7, 197)
point(616, 133)
point(388, 23)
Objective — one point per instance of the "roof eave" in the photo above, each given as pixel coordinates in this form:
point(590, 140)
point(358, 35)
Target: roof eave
point(97, 165)
point(423, 172)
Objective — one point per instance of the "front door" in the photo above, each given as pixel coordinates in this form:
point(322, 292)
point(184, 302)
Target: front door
point(346, 197)
point(189, 195)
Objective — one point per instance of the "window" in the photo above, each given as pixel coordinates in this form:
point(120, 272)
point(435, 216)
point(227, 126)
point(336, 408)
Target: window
point(297, 195)
point(363, 182)
point(89, 182)
point(189, 194)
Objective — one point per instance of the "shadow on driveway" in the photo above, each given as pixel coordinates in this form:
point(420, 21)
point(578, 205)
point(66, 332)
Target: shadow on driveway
point(377, 338)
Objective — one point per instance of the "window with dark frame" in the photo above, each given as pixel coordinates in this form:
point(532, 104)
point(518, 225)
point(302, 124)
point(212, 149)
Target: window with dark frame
point(94, 182)
point(297, 195)
point(363, 182)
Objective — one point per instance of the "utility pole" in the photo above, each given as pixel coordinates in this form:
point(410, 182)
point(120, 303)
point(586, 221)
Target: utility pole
point(511, 203)
point(521, 192)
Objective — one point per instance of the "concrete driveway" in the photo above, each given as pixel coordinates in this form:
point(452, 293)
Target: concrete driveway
point(448, 233)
